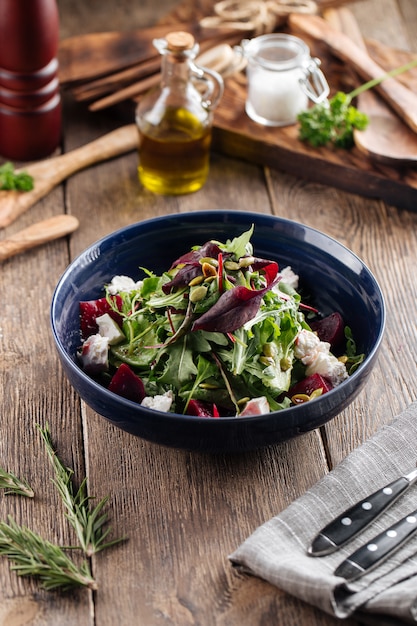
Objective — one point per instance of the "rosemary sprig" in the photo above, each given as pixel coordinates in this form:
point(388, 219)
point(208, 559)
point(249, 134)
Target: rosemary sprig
point(32, 555)
point(87, 522)
point(14, 485)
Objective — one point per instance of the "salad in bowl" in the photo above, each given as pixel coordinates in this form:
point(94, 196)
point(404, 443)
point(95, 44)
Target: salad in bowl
point(219, 330)
point(220, 333)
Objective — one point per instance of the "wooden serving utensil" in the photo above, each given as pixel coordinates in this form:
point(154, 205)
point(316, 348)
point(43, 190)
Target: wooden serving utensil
point(37, 234)
point(401, 99)
point(50, 172)
point(386, 139)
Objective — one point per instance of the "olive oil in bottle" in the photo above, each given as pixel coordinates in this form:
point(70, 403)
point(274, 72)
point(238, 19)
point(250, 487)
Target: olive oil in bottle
point(175, 121)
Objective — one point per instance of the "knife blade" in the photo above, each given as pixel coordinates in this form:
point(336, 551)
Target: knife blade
point(377, 549)
point(355, 519)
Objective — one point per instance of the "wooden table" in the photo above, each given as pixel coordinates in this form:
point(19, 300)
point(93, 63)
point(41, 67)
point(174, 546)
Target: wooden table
point(182, 512)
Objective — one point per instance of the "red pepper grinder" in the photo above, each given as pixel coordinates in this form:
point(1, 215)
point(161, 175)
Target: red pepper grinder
point(30, 101)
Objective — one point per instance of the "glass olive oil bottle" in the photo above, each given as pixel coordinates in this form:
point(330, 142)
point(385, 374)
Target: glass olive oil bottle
point(175, 120)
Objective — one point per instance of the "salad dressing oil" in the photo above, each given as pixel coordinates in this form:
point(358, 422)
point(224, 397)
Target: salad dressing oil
point(175, 120)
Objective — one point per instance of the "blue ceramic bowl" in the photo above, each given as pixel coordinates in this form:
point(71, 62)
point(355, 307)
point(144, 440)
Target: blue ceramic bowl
point(335, 277)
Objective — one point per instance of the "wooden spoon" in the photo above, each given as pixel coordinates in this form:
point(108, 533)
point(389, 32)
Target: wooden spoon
point(37, 234)
point(386, 139)
point(50, 172)
point(401, 99)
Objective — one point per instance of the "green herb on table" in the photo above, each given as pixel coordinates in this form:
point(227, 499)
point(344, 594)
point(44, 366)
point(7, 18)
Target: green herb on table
point(32, 555)
point(12, 180)
point(87, 522)
point(14, 485)
point(334, 121)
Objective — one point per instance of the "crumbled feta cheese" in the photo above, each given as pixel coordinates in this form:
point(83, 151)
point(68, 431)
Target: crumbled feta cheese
point(159, 402)
point(316, 355)
point(107, 327)
point(119, 284)
point(289, 277)
point(328, 366)
point(94, 354)
point(256, 406)
point(306, 346)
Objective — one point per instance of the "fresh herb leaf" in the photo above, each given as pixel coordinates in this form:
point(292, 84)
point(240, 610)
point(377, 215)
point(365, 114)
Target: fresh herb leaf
point(14, 485)
point(205, 369)
point(353, 359)
point(239, 246)
point(32, 555)
point(334, 121)
point(87, 522)
point(10, 180)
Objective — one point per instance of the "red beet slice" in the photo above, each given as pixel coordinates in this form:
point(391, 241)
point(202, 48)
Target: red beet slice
point(330, 329)
point(310, 384)
point(127, 384)
point(202, 409)
point(91, 309)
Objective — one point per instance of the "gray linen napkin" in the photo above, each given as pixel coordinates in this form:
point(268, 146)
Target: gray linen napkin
point(277, 550)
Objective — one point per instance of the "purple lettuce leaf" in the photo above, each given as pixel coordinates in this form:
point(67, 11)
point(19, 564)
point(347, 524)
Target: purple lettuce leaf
point(236, 306)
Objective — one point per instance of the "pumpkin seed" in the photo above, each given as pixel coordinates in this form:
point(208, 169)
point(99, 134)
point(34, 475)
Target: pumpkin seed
point(245, 261)
point(196, 281)
point(197, 293)
point(231, 265)
point(208, 270)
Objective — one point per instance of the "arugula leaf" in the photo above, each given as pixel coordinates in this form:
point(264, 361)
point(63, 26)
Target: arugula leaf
point(205, 369)
point(179, 367)
point(240, 246)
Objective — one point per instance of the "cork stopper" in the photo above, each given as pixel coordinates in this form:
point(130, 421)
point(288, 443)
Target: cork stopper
point(179, 41)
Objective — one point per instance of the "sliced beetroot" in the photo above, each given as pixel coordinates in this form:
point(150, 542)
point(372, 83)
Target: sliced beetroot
point(127, 384)
point(330, 329)
point(91, 309)
point(310, 384)
point(202, 409)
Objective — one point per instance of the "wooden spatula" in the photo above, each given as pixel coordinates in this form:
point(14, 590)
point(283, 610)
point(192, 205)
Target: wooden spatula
point(50, 172)
point(37, 234)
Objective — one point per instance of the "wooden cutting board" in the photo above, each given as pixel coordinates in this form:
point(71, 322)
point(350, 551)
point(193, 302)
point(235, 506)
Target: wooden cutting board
point(237, 135)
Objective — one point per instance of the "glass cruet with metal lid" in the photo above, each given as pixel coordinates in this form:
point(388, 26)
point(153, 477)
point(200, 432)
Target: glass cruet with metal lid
point(175, 119)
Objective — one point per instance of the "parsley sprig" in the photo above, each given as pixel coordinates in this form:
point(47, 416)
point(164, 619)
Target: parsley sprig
point(10, 180)
point(334, 121)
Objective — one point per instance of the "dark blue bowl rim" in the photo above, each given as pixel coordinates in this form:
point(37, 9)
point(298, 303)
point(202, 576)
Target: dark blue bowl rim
point(221, 215)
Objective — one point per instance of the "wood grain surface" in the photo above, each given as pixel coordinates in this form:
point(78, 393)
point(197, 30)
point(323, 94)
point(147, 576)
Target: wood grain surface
point(182, 512)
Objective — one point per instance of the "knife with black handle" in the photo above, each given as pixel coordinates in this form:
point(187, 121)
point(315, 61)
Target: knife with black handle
point(359, 516)
point(377, 549)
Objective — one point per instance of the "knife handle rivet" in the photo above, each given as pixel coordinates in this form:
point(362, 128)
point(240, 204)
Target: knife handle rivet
point(391, 533)
point(387, 491)
point(411, 519)
point(367, 506)
point(346, 521)
point(372, 547)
